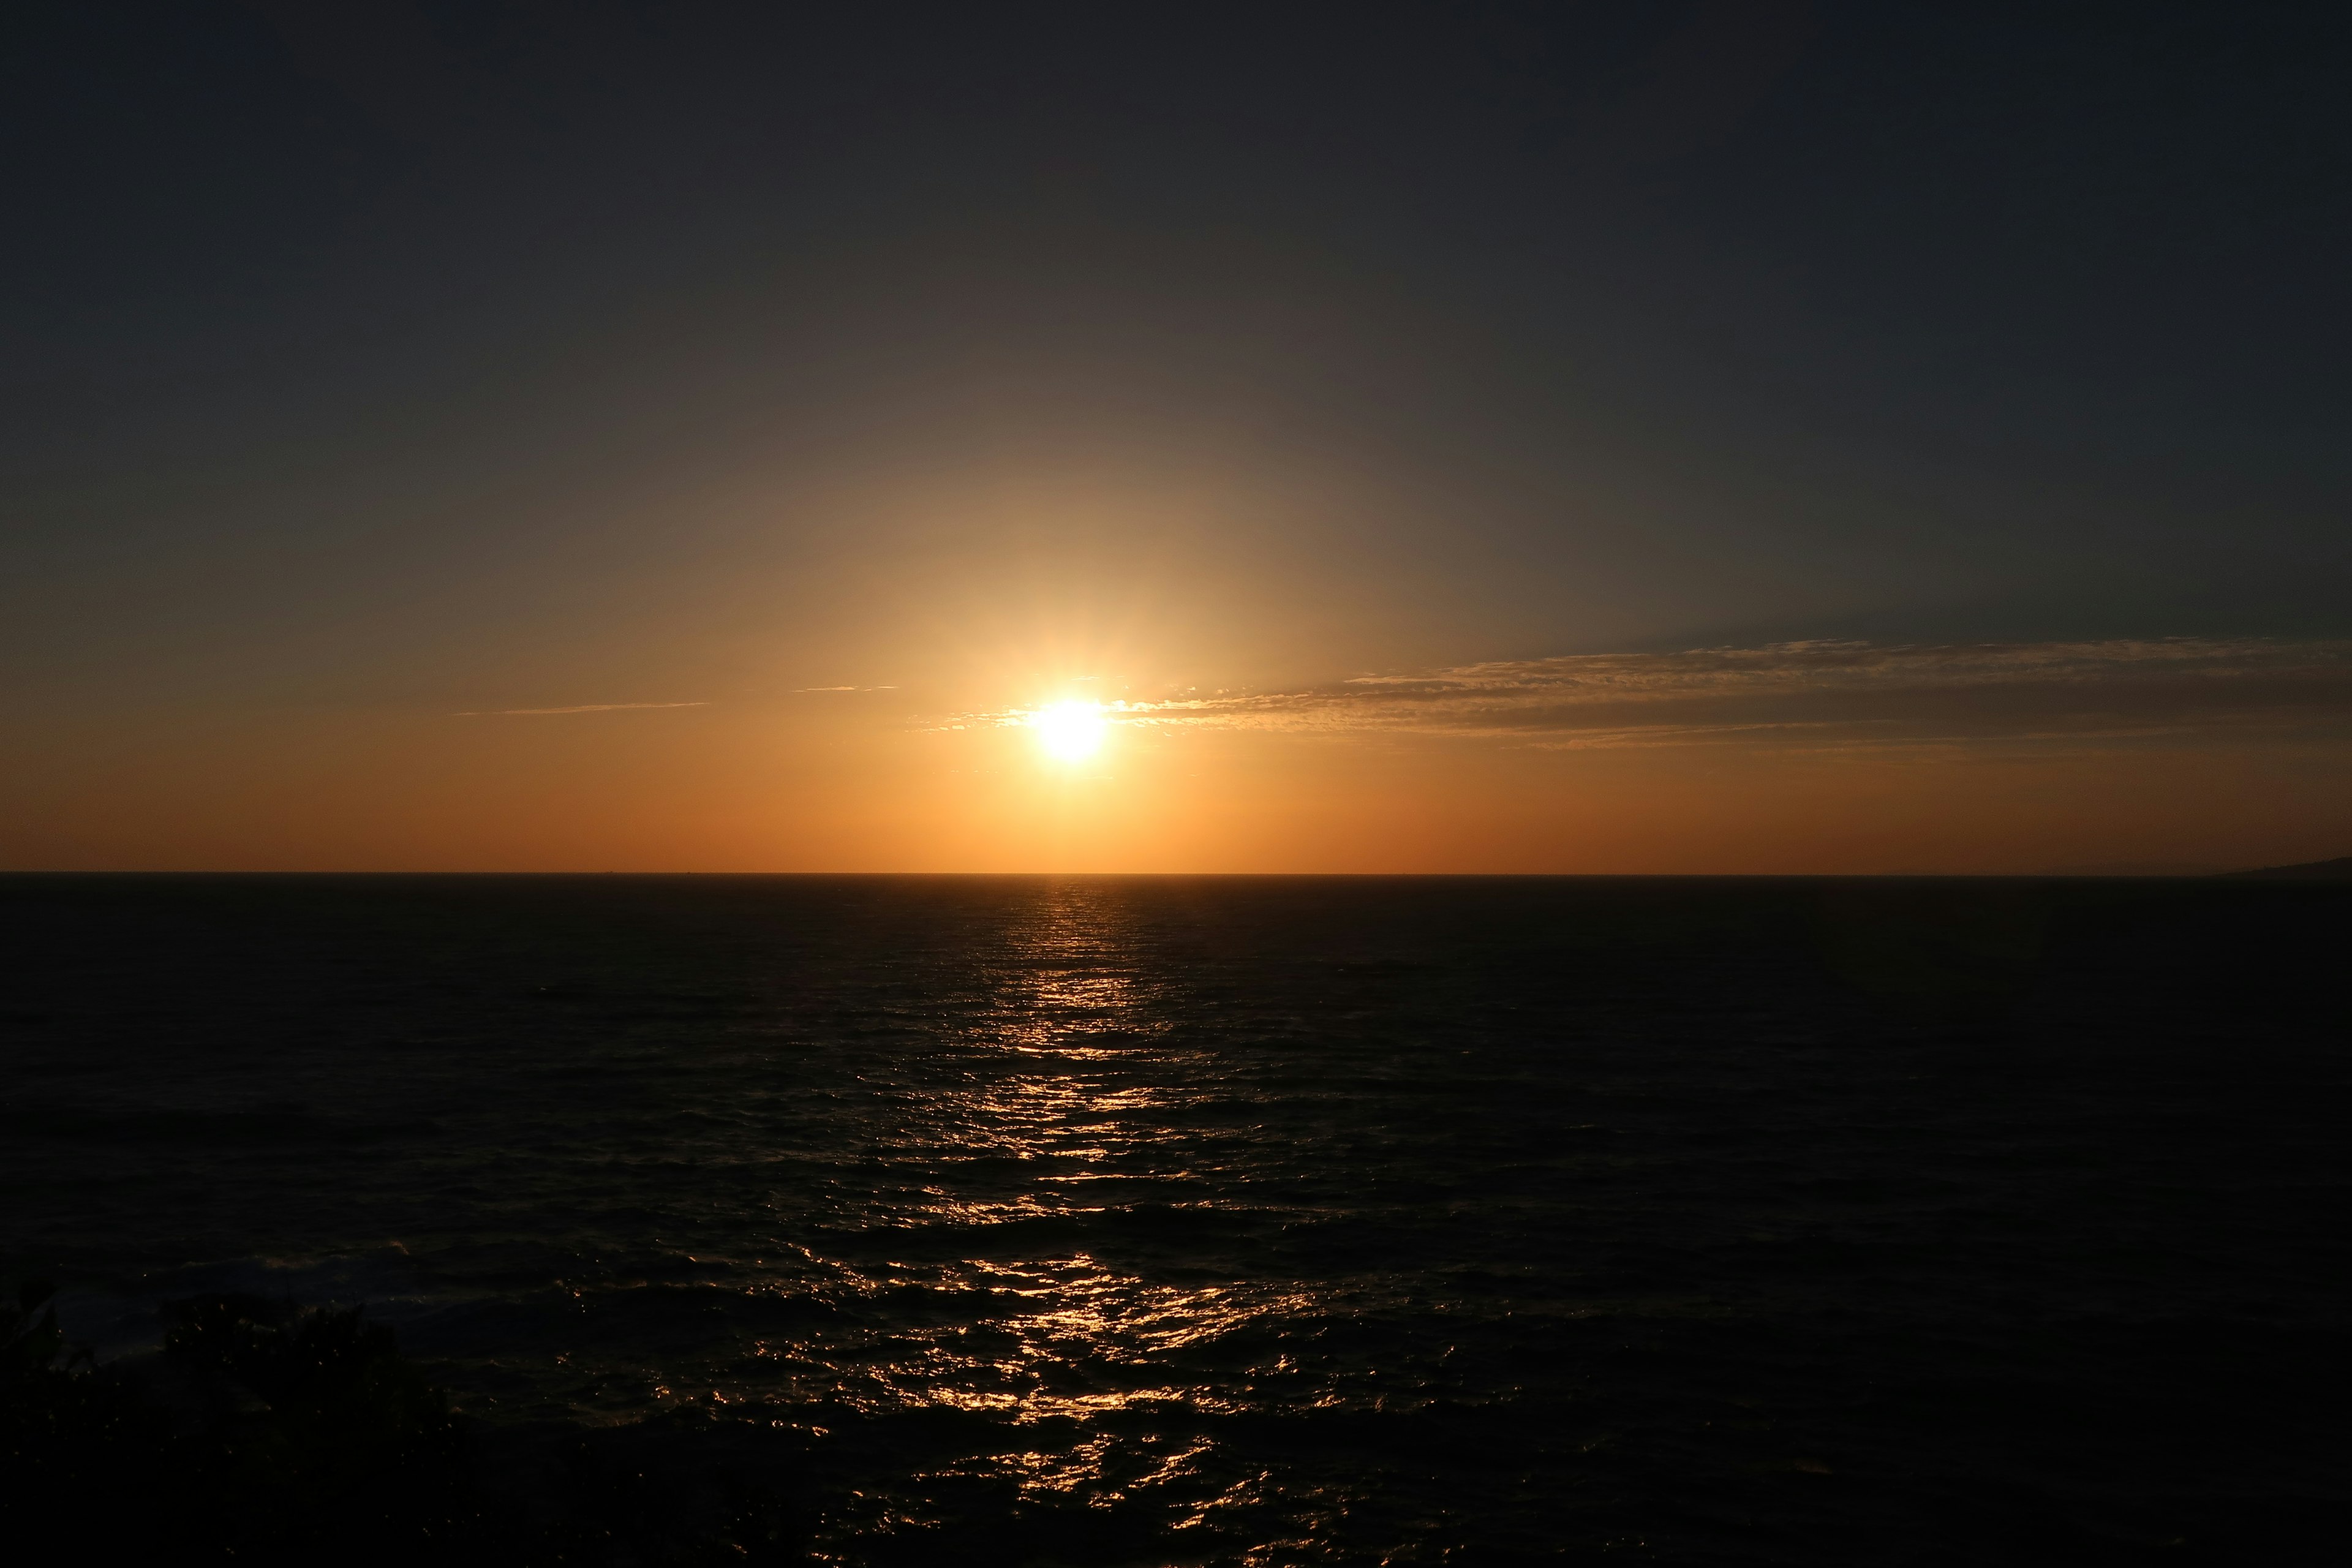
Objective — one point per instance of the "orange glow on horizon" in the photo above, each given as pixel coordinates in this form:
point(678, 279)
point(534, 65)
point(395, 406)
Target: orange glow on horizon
point(1837, 758)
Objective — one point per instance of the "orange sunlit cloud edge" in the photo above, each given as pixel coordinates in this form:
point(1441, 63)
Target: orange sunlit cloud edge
point(1814, 692)
point(1807, 757)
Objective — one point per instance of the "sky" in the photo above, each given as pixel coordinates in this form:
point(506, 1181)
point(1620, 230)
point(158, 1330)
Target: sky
point(1740, 436)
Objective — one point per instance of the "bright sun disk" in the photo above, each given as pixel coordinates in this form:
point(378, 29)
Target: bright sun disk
point(1070, 731)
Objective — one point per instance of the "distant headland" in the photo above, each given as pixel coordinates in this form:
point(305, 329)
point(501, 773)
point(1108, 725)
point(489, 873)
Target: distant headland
point(2336, 870)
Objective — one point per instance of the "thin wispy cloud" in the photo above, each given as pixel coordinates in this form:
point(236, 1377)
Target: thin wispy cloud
point(797, 690)
point(1824, 693)
point(576, 707)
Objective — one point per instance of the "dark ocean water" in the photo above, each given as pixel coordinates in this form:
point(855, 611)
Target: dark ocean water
point(1289, 1221)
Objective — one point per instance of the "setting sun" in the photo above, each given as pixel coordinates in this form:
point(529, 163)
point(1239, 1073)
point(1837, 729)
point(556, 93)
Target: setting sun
point(1070, 732)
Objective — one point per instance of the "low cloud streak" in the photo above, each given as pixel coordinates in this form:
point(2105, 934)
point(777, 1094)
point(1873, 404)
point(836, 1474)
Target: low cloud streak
point(1823, 694)
point(577, 707)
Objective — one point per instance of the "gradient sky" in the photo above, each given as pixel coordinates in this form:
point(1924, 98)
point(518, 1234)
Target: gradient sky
point(1735, 436)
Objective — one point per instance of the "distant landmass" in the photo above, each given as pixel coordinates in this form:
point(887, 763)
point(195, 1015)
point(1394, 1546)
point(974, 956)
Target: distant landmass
point(2336, 870)
point(2136, 868)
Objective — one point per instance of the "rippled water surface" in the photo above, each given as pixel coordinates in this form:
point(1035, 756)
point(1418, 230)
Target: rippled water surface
point(1265, 1221)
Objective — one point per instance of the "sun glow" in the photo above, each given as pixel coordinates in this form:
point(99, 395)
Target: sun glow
point(1070, 732)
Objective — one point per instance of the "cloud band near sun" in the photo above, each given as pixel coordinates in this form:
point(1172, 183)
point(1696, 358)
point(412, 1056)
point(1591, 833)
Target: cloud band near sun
point(575, 708)
point(1823, 693)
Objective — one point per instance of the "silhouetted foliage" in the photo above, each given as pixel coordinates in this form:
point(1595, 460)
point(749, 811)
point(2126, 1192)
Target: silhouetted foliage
point(70, 1441)
point(266, 1434)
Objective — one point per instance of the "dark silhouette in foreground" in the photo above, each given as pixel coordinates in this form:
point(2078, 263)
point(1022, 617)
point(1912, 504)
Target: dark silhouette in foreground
point(262, 1433)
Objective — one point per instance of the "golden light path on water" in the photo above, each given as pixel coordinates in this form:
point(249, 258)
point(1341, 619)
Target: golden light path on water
point(1066, 1112)
point(1083, 1006)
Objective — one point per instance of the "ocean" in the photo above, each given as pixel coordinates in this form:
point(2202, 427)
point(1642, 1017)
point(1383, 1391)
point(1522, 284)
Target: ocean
point(1264, 1221)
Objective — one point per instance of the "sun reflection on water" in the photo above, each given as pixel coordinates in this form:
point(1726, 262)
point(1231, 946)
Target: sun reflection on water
point(1038, 1152)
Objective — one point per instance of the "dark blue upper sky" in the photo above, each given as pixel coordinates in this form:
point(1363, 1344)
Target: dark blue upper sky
point(1631, 324)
